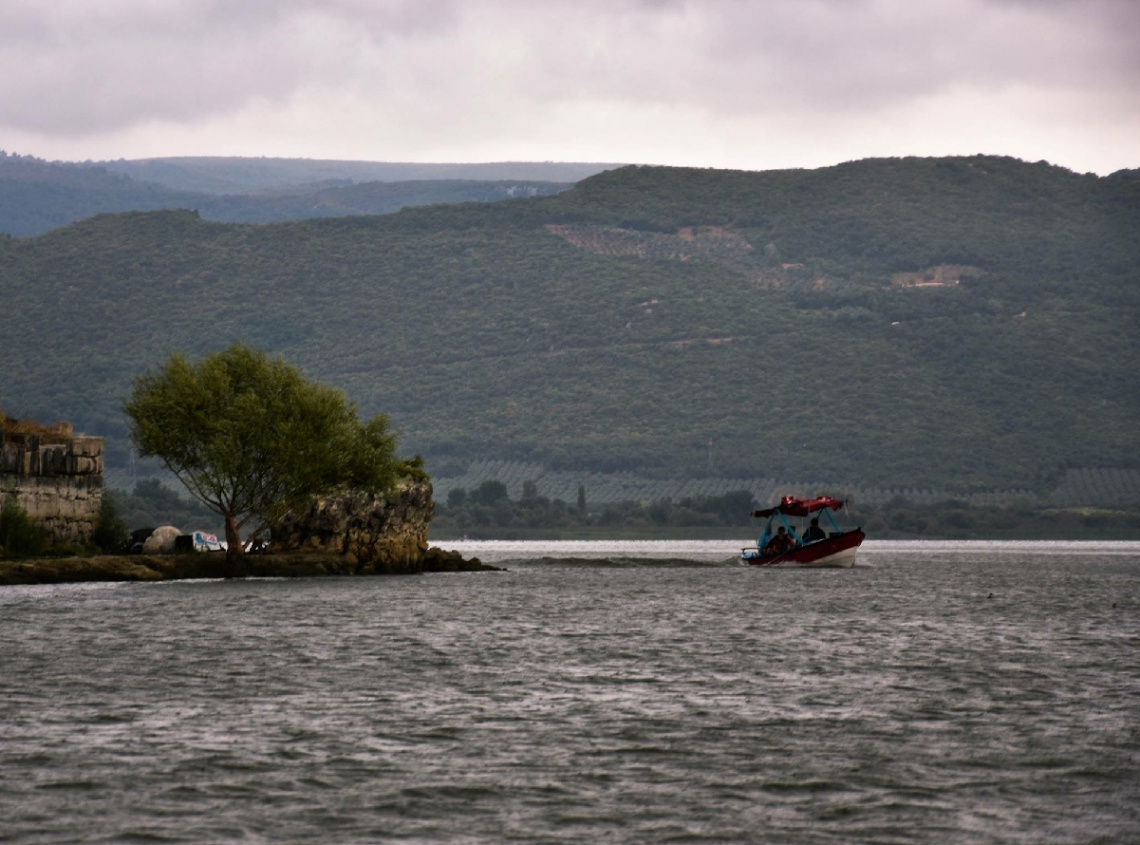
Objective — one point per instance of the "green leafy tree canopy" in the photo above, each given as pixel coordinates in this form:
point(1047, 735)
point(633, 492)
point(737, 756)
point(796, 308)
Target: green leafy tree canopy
point(251, 438)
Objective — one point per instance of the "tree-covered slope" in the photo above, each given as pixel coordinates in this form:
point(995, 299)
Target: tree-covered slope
point(923, 322)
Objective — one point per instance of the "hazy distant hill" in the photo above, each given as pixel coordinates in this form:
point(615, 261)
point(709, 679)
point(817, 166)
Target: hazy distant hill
point(366, 198)
point(37, 196)
point(221, 175)
point(968, 322)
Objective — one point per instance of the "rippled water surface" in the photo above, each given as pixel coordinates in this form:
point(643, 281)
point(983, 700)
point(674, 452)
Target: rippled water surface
point(938, 692)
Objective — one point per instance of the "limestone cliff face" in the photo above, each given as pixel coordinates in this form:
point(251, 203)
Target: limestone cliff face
point(59, 484)
point(377, 533)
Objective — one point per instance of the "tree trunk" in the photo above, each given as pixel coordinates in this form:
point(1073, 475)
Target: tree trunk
point(234, 548)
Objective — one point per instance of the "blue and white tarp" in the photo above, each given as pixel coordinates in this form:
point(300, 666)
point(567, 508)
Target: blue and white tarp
point(204, 542)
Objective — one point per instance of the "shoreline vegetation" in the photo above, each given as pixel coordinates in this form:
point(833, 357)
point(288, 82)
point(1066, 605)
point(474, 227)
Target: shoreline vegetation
point(1124, 529)
point(488, 513)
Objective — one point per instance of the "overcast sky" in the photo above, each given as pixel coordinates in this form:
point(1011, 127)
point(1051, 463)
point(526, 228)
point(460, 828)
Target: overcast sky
point(752, 84)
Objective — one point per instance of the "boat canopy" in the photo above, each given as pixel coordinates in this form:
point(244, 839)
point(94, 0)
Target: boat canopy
point(791, 506)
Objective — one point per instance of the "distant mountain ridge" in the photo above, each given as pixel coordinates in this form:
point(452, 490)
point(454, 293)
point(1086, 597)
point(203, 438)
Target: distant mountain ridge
point(962, 323)
point(37, 196)
point(239, 175)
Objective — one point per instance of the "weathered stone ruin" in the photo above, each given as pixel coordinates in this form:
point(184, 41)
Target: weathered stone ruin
point(377, 534)
point(57, 477)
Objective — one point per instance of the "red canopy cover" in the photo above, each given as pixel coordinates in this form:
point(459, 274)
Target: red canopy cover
point(800, 507)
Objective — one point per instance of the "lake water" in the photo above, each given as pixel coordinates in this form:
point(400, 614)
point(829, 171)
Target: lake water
point(595, 692)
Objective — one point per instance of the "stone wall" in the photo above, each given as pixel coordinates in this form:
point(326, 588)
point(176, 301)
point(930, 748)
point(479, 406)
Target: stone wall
point(59, 484)
point(375, 533)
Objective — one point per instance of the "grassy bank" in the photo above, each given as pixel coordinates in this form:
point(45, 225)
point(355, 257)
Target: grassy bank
point(63, 570)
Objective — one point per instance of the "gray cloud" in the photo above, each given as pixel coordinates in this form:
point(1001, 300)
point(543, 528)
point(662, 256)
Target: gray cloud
point(841, 54)
point(80, 67)
point(413, 69)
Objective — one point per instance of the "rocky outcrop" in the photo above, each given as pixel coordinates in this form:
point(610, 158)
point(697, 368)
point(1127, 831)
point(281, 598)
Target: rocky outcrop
point(374, 533)
point(59, 483)
point(161, 540)
point(351, 533)
point(441, 560)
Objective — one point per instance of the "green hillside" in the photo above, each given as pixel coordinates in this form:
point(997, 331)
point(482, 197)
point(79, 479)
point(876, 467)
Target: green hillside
point(37, 196)
point(964, 323)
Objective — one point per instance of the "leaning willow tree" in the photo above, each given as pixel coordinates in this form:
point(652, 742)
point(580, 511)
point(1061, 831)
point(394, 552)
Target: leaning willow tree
point(252, 439)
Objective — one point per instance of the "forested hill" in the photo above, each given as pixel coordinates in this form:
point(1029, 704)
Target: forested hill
point(37, 196)
point(963, 322)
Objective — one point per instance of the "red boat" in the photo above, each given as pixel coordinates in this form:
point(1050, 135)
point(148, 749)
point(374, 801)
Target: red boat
point(782, 544)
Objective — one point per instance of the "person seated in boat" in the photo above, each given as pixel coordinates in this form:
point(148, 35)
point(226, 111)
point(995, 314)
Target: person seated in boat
point(814, 532)
point(780, 543)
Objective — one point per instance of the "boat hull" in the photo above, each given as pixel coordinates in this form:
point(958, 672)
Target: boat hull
point(836, 552)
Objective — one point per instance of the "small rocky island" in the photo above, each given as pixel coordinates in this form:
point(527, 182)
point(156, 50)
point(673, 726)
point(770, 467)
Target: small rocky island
point(56, 477)
point(170, 567)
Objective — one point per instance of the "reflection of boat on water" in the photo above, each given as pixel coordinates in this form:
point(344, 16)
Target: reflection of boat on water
point(782, 545)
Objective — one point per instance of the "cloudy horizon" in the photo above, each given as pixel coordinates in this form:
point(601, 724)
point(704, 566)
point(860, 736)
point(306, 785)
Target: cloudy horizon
point(717, 83)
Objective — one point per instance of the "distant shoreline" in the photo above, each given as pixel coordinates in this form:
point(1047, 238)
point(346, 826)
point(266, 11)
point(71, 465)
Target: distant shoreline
point(738, 533)
point(70, 570)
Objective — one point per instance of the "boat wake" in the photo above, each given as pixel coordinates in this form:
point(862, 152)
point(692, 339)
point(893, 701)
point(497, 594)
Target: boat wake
point(624, 562)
